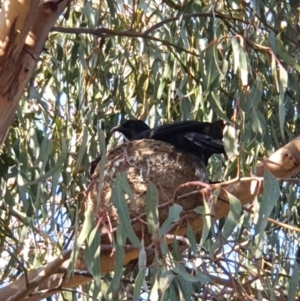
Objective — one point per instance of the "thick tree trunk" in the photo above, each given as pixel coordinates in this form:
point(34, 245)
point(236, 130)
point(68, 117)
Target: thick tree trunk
point(24, 27)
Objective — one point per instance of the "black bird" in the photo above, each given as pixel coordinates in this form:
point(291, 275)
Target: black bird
point(131, 128)
point(201, 139)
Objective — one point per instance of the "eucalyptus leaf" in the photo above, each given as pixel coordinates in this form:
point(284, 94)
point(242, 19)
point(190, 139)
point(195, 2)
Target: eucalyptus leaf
point(235, 210)
point(174, 214)
point(84, 233)
point(152, 209)
point(294, 282)
point(139, 281)
point(119, 202)
point(56, 167)
point(119, 257)
point(269, 199)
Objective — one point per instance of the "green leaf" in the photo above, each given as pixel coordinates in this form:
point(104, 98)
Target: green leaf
point(82, 149)
point(93, 258)
point(200, 210)
point(175, 292)
point(243, 67)
point(174, 214)
point(139, 282)
point(151, 209)
point(154, 290)
point(283, 76)
point(294, 282)
point(236, 54)
point(274, 72)
point(192, 239)
point(74, 54)
point(212, 75)
point(112, 8)
point(203, 278)
point(284, 54)
point(119, 256)
point(85, 231)
point(186, 284)
point(281, 110)
point(176, 251)
point(142, 256)
point(58, 165)
point(165, 279)
point(215, 102)
point(119, 202)
point(256, 91)
point(127, 190)
point(181, 271)
point(269, 199)
point(207, 223)
point(164, 248)
point(235, 210)
point(232, 220)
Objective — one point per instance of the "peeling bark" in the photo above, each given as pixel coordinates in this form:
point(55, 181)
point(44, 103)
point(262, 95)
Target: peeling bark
point(24, 27)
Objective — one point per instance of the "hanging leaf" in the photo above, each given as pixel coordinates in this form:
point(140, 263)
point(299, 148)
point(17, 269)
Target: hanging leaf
point(119, 202)
point(151, 209)
point(269, 199)
point(243, 67)
point(173, 216)
point(236, 54)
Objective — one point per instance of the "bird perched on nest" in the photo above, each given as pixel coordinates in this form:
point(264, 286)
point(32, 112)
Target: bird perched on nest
point(201, 139)
point(131, 129)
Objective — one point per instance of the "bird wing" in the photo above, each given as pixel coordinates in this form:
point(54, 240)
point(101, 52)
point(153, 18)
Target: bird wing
point(206, 142)
point(176, 127)
point(201, 139)
point(214, 130)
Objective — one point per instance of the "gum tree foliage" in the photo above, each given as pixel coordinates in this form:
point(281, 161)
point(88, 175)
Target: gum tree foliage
point(160, 61)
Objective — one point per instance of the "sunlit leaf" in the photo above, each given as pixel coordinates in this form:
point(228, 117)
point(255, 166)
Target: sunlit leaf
point(151, 209)
point(243, 68)
point(236, 54)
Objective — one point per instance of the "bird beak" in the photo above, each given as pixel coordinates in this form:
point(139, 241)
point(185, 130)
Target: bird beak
point(117, 128)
